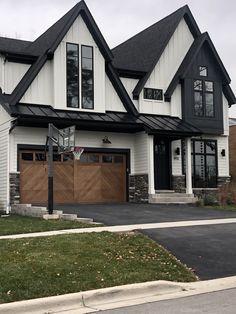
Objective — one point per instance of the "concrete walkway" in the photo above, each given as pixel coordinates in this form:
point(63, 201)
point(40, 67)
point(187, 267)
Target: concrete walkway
point(125, 228)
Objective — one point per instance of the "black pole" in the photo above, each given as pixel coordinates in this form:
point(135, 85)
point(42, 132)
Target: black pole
point(50, 169)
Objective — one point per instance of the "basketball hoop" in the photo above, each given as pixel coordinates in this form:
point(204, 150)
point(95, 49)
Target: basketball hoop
point(77, 152)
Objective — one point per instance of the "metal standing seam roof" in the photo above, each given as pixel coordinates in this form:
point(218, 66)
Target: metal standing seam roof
point(151, 123)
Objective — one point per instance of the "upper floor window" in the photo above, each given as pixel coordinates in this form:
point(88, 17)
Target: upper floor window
point(73, 73)
point(203, 98)
point(152, 93)
point(72, 69)
point(202, 70)
point(87, 77)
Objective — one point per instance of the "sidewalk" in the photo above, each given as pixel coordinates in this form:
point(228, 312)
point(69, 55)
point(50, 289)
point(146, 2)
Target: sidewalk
point(115, 297)
point(125, 228)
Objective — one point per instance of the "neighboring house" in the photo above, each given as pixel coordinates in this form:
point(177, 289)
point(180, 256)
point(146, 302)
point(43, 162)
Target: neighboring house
point(161, 98)
point(232, 150)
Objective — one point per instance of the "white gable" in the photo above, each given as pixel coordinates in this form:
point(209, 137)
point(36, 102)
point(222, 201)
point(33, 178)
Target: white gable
point(113, 102)
point(49, 87)
point(10, 74)
point(166, 68)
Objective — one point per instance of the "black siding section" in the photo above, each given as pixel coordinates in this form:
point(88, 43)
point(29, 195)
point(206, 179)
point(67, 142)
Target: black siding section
point(212, 125)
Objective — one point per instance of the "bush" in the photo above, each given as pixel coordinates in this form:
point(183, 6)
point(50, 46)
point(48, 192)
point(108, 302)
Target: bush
point(210, 200)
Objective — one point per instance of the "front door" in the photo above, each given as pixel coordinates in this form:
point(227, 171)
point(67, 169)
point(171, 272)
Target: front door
point(162, 164)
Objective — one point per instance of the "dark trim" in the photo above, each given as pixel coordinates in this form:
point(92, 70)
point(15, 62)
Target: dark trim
point(19, 58)
point(30, 75)
point(195, 32)
point(121, 91)
point(78, 51)
point(130, 73)
point(229, 94)
point(82, 76)
point(27, 79)
point(187, 62)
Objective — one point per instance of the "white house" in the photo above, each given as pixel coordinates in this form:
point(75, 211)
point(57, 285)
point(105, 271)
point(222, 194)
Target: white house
point(161, 98)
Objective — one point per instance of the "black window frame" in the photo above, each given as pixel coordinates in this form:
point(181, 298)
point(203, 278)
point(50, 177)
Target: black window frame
point(152, 90)
point(204, 154)
point(203, 68)
point(203, 92)
point(82, 87)
point(78, 81)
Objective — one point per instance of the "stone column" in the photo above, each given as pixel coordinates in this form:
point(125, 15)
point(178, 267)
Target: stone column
point(189, 189)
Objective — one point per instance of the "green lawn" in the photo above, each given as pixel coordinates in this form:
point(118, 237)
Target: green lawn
point(19, 224)
point(226, 207)
point(40, 267)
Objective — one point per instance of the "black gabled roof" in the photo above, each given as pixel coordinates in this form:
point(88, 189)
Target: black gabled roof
point(52, 37)
point(142, 51)
point(45, 46)
point(187, 62)
point(41, 115)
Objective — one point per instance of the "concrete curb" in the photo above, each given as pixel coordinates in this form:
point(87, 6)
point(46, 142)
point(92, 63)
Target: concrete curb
point(114, 297)
point(124, 228)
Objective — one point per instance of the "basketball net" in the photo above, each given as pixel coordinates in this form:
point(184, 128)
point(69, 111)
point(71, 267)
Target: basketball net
point(77, 152)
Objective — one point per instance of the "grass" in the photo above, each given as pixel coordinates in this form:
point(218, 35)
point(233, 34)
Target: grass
point(40, 267)
point(223, 207)
point(20, 224)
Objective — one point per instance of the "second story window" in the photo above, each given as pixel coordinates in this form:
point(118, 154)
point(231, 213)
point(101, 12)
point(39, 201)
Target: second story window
point(72, 69)
point(153, 93)
point(203, 98)
point(80, 88)
point(87, 77)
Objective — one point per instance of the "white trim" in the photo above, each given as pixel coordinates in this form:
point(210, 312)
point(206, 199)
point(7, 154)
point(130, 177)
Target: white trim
point(151, 187)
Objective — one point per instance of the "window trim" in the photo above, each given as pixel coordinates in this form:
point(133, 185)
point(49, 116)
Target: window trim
point(81, 60)
point(203, 92)
point(193, 153)
point(78, 50)
point(153, 99)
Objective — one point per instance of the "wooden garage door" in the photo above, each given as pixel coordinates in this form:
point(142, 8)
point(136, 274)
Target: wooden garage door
point(96, 178)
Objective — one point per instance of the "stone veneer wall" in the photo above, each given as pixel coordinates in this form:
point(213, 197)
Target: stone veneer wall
point(138, 188)
point(178, 184)
point(14, 187)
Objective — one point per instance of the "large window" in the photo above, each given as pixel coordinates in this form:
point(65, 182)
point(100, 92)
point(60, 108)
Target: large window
point(72, 68)
point(87, 77)
point(73, 72)
point(204, 167)
point(203, 91)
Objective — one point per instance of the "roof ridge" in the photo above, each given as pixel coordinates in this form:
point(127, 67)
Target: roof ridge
point(154, 24)
point(66, 16)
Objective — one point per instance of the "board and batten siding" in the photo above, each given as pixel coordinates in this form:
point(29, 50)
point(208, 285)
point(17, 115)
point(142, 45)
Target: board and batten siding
point(51, 80)
point(113, 101)
point(176, 159)
point(226, 115)
point(129, 85)
point(166, 68)
point(5, 124)
point(11, 74)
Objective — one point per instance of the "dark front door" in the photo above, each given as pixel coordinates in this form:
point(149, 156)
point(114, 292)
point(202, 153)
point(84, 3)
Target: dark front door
point(162, 164)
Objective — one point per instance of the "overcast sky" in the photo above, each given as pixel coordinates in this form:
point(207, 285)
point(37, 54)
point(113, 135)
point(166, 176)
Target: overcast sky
point(120, 19)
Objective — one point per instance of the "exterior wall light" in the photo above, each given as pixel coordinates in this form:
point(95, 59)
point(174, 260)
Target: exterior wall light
point(106, 140)
point(223, 153)
point(177, 151)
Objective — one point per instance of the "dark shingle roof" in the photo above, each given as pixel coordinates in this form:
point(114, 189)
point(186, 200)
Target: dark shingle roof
point(142, 51)
point(13, 45)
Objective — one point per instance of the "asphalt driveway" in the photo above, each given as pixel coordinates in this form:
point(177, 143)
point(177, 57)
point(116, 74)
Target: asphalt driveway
point(127, 214)
point(209, 250)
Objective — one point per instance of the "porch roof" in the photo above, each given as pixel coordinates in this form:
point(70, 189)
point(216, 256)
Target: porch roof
point(40, 115)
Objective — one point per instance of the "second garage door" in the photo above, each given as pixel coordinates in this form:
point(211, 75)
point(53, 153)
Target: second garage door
point(96, 178)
